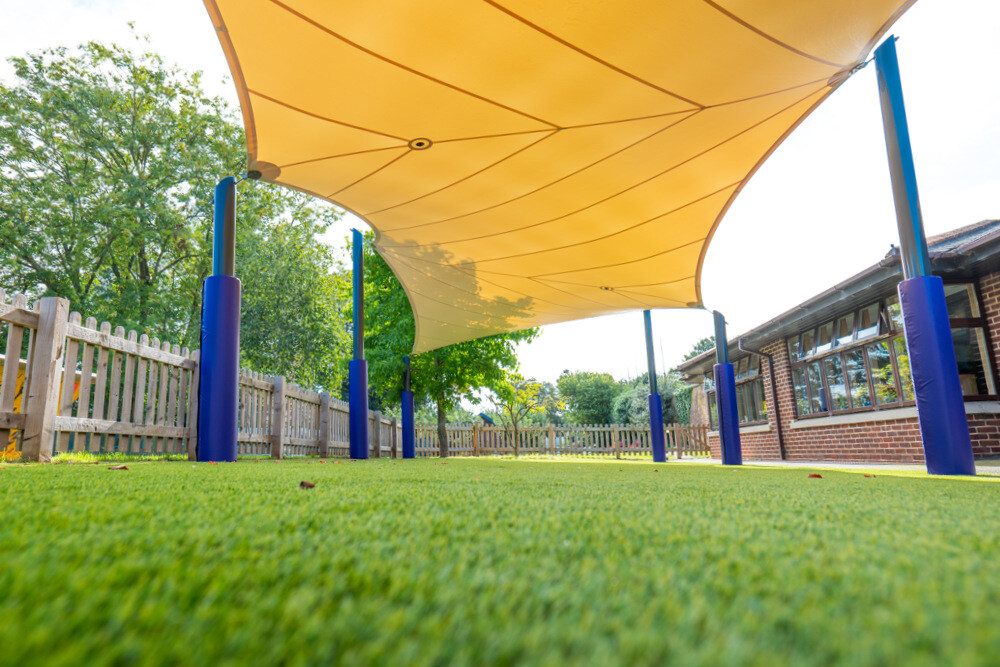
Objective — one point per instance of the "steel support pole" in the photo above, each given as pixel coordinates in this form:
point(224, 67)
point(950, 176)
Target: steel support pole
point(656, 436)
point(409, 427)
point(725, 397)
point(358, 366)
point(944, 429)
point(218, 403)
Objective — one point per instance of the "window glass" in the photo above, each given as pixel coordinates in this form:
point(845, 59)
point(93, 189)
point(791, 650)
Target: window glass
point(817, 397)
point(742, 368)
point(961, 300)
point(713, 417)
point(741, 408)
point(824, 338)
point(883, 379)
point(868, 321)
point(750, 397)
point(835, 381)
point(709, 383)
point(857, 378)
point(845, 329)
point(801, 391)
point(761, 400)
point(808, 339)
point(970, 353)
point(793, 349)
point(754, 368)
point(895, 312)
point(903, 366)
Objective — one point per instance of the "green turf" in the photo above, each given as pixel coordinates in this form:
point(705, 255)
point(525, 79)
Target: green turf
point(493, 562)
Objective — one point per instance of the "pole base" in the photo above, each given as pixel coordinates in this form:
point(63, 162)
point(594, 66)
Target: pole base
point(944, 428)
point(729, 419)
point(656, 436)
point(409, 431)
point(357, 371)
point(218, 398)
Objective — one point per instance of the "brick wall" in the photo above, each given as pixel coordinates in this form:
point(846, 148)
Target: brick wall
point(896, 440)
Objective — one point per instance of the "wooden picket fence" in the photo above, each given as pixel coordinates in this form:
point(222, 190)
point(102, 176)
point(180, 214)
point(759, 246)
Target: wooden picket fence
point(69, 385)
point(617, 440)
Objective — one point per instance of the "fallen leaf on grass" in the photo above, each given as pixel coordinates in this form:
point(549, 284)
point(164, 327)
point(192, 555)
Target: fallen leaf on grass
point(306, 485)
point(121, 467)
point(815, 476)
point(322, 461)
point(212, 463)
point(869, 475)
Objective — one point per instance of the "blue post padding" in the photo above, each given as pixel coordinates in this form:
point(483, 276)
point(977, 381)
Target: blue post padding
point(218, 403)
point(358, 378)
point(409, 431)
point(940, 405)
point(729, 418)
point(656, 438)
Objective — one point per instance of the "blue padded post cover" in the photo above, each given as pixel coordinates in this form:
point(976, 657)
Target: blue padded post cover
point(656, 429)
point(220, 367)
point(409, 432)
point(357, 371)
point(940, 405)
point(729, 419)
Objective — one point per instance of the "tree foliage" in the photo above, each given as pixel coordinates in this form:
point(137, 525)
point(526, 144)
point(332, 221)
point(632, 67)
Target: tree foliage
point(589, 396)
point(703, 345)
point(108, 161)
point(515, 400)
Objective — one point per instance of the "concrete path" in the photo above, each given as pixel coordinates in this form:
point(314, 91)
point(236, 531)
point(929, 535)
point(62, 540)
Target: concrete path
point(989, 467)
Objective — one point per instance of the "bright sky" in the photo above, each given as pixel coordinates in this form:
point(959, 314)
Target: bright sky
point(817, 212)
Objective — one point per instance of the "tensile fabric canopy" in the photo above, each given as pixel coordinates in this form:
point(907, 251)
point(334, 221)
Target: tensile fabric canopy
point(525, 162)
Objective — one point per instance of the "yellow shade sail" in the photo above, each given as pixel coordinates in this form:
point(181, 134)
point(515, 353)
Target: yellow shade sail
point(525, 162)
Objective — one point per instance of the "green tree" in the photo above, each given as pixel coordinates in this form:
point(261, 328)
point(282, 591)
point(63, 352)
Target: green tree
point(108, 163)
point(293, 327)
point(553, 407)
point(589, 396)
point(631, 406)
point(703, 345)
point(515, 400)
point(443, 376)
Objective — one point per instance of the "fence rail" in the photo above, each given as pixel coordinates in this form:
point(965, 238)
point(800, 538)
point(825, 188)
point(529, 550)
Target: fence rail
point(69, 385)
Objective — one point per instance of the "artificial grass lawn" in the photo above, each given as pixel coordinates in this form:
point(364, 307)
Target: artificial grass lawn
point(493, 561)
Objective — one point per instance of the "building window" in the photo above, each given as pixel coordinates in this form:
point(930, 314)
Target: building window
point(859, 359)
point(750, 402)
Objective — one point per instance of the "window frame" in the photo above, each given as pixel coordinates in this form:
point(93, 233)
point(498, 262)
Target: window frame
point(887, 333)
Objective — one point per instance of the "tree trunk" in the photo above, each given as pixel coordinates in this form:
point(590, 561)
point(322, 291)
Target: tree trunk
point(442, 427)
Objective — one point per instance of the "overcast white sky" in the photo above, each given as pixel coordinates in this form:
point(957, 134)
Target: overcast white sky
point(817, 212)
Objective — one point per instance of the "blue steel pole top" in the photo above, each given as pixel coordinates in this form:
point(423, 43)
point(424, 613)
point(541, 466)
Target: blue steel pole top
point(913, 242)
point(358, 284)
point(721, 342)
point(650, 359)
point(224, 226)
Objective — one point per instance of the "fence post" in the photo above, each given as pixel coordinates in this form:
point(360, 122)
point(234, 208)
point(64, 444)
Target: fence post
point(192, 424)
point(45, 367)
point(475, 439)
point(376, 432)
point(278, 418)
point(324, 425)
point(394, 439)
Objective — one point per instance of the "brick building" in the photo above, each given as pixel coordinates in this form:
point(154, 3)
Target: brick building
point(830, 378)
